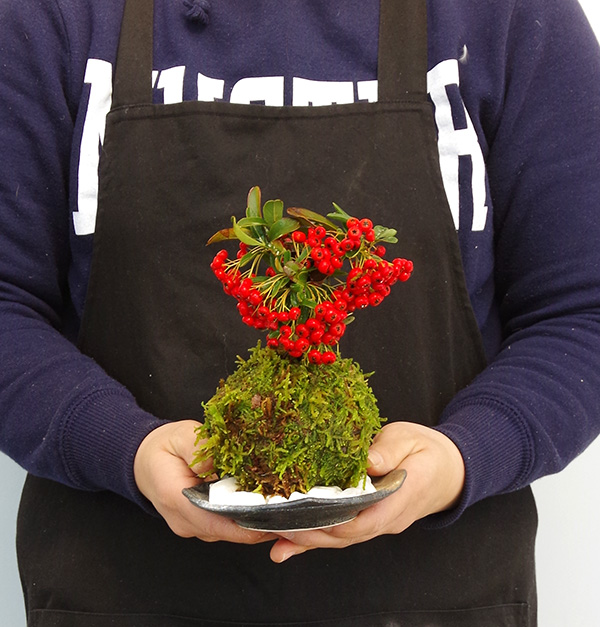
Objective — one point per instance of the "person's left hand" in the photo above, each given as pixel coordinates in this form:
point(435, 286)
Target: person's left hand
point(434, 482)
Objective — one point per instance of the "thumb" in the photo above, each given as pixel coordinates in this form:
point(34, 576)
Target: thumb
point(380, 462)
point(183, 442)
point(391, 446)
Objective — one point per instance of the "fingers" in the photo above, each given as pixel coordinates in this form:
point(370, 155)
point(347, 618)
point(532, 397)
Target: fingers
point(435, 477)
point(162, 470)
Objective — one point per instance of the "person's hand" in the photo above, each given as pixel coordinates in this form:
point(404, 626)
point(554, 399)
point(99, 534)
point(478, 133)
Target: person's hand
point(434, 482)
point(162, 470)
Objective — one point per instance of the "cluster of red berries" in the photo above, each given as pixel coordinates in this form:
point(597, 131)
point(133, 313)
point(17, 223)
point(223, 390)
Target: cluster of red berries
point(286, 329)
point(369, 284)
point(327, 252)
point(313, 331)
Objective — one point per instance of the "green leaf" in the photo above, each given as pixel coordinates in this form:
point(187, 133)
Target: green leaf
point(253, 209)
point(273, 211)
point(282, 227)
point(247, 258)
point(303, 254)
point(307, 302)
point(310, 216)
point(248, 222)
point(338, 218)
point(222, 235)
point(383, 234)
point(340, 211)
point(280, 284)
point(244, 236)
point(277, 246)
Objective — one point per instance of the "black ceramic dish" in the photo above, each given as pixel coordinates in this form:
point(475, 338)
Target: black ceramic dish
point(306, 513)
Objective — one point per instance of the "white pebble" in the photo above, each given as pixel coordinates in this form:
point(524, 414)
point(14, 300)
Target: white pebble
point(324, 492)
point(226, 492)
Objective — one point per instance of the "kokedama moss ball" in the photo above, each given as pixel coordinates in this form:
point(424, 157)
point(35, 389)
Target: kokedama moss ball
point(279, 425)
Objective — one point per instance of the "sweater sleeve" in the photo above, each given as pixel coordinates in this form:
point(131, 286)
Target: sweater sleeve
point(537, 405)
point(61, 416)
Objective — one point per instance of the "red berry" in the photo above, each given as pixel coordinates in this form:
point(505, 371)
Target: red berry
point(351, 223)
point(324, 267)
point(354, 233)
point(316, 337)
point(313, 324)
point(220, 274)
point(318, 254)
point(328, 357)
point(245, 287)
point(314, 356)
point(320, 310)
point(301, 344)
point(338, 329)
point(370, 264)
point(332, 316)
point(255, 297)
point(366, 224)
point(354, 275)
point(320, 232)
point(302, 330)
point(299, 236)
point(375, 299)
point(328, 338)
point(294, 313)
point(336, 263)
point(363, 283)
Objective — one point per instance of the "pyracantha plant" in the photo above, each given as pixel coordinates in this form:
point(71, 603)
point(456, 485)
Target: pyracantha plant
point(296, 414)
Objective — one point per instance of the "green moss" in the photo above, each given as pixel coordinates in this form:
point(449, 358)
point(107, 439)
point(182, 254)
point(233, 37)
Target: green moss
point(280, 425)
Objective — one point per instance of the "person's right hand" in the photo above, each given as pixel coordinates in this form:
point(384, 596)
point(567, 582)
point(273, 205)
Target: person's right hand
point(162, 469)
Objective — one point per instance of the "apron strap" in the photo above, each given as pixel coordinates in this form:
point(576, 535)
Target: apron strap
point(402, 57)
point(133, 71)
point(402, 62)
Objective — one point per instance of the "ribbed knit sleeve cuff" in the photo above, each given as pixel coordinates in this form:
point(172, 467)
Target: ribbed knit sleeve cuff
point(497, 449)
point(99, 439)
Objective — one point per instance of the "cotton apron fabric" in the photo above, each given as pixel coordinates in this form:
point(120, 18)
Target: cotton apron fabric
point(157, 320)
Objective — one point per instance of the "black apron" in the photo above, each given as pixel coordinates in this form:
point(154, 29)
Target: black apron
point(157, 320)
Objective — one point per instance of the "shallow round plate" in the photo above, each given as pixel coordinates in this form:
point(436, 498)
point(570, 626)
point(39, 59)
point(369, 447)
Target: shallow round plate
point(306, 513)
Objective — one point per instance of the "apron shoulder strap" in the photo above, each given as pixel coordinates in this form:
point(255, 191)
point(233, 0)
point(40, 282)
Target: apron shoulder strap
point(133, 70)
point(402, 61)
point(402, 57)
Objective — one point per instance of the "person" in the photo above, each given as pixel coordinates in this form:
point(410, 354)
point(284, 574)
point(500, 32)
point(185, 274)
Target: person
point(131, 131)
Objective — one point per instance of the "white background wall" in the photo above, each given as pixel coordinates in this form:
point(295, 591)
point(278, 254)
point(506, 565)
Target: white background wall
point(568, 540)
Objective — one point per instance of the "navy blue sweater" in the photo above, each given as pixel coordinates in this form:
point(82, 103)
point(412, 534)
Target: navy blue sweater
point(515, 86)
